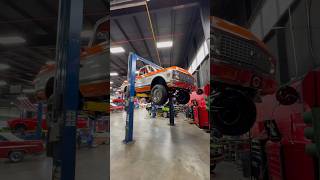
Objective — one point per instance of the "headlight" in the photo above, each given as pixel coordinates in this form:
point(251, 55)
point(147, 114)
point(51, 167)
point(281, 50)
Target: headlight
point(272, 67)
point(215, 42)
point(175, 75)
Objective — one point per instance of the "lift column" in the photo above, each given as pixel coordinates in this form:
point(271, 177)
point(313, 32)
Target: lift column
point(66, 88)
point(171, 111)
point(132, 65)
point(39, 118)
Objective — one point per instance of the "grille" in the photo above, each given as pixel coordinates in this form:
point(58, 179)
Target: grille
point(239, 51)
point(185, 78)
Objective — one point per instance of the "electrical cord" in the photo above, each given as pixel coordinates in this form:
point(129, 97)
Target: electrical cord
point(293, 43)
point(308, 4)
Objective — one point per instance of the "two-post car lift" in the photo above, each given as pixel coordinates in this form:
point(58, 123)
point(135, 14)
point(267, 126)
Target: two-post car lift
point(132, 66)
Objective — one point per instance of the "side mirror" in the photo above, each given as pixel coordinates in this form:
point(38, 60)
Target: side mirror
point(287, 95)
point(200, 91)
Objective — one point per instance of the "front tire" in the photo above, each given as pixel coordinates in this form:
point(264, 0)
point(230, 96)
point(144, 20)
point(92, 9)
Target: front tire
point(16, 156)
point(159, 94)
point(233, 112)
point(183, 97)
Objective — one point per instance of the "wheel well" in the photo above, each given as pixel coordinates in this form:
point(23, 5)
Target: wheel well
point(158, 80)
point(20, 125)
point(15, 150)
point(49, 87)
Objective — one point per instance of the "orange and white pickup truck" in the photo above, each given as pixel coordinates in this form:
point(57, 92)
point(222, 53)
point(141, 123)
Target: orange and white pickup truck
point(242, 71)
point(160, 83)
point(93, 74)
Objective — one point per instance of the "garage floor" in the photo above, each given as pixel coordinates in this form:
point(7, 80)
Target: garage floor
point(227, 171)
point(91, 164)
point(159, 151)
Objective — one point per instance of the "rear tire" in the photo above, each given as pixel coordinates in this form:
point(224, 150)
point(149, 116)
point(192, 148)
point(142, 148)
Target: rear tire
point(16, 156)
point(159, 94)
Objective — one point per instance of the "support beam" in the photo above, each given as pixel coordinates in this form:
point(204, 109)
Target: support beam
point(27, 15)
point(141, 35)
point(125, 35)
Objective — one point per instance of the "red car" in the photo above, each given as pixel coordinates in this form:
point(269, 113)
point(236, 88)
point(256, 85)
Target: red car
point(115, 107)
point(15, 149)
point(30, 124)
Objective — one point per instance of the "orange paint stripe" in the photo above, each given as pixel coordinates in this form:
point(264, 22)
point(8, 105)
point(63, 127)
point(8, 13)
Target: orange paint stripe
point(143, 89)
point(163, 70)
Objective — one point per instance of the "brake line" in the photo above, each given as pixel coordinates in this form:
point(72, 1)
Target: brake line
point(153, 34)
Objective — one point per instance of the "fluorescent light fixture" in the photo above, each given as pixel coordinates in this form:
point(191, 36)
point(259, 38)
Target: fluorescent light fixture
point(123, 4)
point(111, 82)
point(28, 91)
point(12, 40)
point(115, 50)
point(3, 83)
point(114, 74)
point(50, 62)
point(4, 66)
point(164, 44)
point(86, 33)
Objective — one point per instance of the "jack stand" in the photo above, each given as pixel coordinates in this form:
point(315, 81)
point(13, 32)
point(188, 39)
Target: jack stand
point(171, 111)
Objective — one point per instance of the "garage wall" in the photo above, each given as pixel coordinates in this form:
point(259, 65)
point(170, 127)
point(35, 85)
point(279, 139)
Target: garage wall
point(268, 16)
point(288, 36)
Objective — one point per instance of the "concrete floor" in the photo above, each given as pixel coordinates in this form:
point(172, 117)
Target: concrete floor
point(228, 171)
point(91, 164)
point(160, 152)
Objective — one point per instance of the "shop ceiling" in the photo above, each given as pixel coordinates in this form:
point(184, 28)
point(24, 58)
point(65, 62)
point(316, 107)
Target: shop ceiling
point(34, 24)
point(176, 21)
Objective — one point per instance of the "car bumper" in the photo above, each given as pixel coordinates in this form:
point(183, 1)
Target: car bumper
point(233, 75)
point(181, 85)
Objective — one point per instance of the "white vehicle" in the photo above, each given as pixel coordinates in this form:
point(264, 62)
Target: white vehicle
point(93, 67)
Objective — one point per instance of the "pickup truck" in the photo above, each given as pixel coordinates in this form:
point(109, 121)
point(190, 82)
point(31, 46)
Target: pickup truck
point(93, 67)
point(30, 124)
point(242, 70)
point(160, 83)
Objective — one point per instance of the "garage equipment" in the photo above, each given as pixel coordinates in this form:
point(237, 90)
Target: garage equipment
point(39, 118)
point(132, 66)
point(66, 91)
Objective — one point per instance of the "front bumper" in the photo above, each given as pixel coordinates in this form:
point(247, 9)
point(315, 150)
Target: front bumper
point(181, 85)
point(233, 75)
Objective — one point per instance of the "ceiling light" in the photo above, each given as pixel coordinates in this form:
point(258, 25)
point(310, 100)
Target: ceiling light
point(114, 74)
point(50, 62)
point(86, 33)
point(12, 40)
point(111, 82)
point(115, 5)
point(28, 91)
point(4, 66)
point(164, 44)
point(3, 83)
point(117, 50)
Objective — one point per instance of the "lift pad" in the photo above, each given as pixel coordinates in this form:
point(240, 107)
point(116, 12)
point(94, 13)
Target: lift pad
point(96, 106)
point(142, 95)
